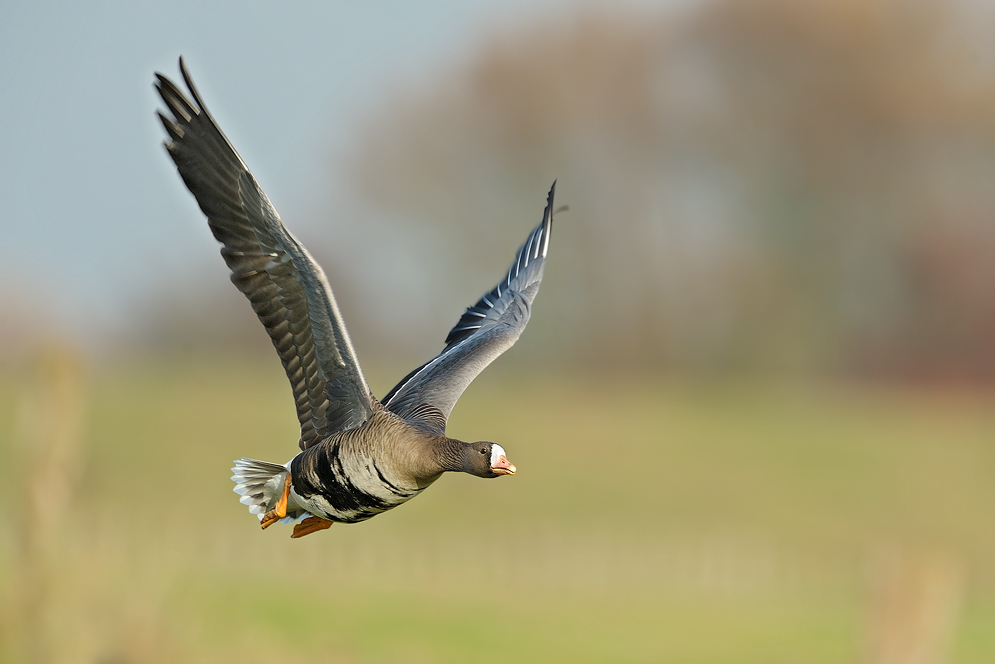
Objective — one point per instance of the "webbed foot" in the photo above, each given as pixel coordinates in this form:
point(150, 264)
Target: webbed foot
point(280, 510)
point(312, 524)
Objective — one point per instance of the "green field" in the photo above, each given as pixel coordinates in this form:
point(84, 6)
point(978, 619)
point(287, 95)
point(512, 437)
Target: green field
point(652, 520)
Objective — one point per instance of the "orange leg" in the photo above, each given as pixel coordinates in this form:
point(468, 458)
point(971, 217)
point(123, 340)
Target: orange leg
point(280, 510)
point(312, 524)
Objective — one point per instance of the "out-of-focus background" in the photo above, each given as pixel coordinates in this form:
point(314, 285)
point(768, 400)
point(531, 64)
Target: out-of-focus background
point(754, 412)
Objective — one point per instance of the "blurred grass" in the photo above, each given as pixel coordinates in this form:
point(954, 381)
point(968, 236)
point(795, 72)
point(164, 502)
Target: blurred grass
point(651, 520)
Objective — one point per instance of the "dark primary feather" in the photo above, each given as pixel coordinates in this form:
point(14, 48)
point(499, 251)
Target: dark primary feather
point(287, 289)
point(487, 329)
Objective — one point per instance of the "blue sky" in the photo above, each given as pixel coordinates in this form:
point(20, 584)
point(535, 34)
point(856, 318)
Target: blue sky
point(94, 214)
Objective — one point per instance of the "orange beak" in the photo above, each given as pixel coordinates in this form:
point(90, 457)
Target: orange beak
point(503, 467)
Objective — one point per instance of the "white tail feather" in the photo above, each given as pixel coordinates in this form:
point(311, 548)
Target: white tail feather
point(260, 483)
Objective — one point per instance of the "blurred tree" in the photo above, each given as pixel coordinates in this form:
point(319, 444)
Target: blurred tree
point(759, 184)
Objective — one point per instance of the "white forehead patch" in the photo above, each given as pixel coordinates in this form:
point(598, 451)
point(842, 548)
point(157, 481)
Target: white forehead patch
point(496, 451)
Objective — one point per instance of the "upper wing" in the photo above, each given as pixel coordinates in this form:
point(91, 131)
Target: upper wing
point(286, 287)
point(487, 329)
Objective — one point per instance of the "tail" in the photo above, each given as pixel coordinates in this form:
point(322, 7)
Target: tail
point(260, 483)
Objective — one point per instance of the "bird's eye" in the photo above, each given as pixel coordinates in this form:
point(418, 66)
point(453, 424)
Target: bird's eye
point(483, 451)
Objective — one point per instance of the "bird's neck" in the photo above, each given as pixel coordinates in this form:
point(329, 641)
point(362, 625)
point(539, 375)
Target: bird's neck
point(450, 454)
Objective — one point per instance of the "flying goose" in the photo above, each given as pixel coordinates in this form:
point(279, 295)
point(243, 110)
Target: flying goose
point(359, 456)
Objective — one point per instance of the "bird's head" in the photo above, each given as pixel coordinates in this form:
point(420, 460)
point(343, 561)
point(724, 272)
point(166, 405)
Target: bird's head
point(485, 459)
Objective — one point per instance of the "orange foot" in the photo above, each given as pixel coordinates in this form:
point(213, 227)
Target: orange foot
point(312, 524)
point(280, 510)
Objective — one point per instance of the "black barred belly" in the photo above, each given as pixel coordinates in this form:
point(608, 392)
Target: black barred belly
point(320, 478)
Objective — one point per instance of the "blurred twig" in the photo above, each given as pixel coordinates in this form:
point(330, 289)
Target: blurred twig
point(49, 439)
point(914, 609)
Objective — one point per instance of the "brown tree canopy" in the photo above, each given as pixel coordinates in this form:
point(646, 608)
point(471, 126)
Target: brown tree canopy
point(761, 184)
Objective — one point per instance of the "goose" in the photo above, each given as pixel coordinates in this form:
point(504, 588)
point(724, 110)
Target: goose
point(359, 456)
